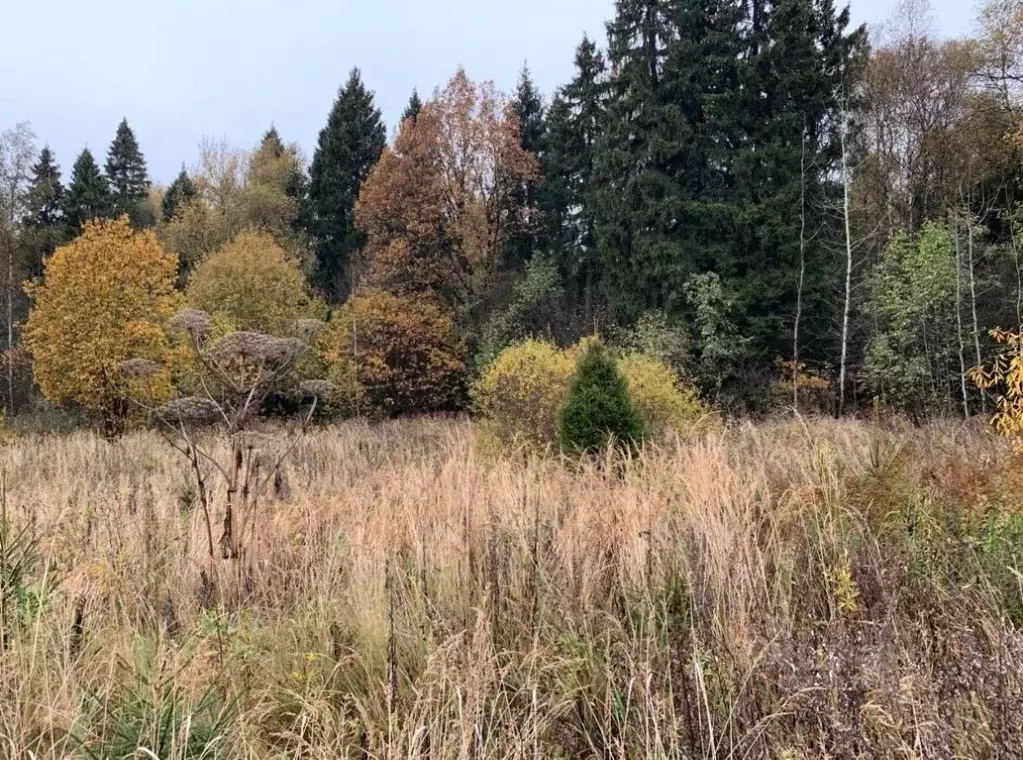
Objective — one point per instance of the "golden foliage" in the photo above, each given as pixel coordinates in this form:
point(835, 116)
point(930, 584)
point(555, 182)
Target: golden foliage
point(105, 298)
point(658, 393)
point(254, 283)
point(439, 207)
point(519, 394)
point(403, 354)
point(1006, 373)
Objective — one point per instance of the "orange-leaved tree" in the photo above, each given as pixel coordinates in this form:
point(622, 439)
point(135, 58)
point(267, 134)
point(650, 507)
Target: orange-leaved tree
point(403, 354)
point(439, 207)
point(105, 299)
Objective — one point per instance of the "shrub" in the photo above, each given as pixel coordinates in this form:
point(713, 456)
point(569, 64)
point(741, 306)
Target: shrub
point(659, 397)
point(403, 353)
point(255, 284)
point(105, 299)
point(598, 409)
point(520, 392)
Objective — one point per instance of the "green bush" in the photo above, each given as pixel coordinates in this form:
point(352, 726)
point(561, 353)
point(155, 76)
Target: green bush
point(599, 408)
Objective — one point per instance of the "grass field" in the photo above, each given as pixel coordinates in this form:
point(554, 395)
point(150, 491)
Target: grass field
point(786, 590)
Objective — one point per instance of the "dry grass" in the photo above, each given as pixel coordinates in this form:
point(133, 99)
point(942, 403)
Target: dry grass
point(784, 591)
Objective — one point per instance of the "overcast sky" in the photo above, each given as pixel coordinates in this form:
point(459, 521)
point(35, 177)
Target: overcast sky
point(183, 69)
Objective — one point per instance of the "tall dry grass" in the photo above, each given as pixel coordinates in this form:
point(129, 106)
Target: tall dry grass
point(796, 590)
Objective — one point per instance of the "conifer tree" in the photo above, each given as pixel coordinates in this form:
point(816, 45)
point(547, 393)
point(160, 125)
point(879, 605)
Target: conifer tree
point(44, 220)
point(181, 191)
point(573, 127)
point(415, 105)
point(529, 110)
point(348, 147)
point(88, 195)
point(126, 174)
point(661, 167)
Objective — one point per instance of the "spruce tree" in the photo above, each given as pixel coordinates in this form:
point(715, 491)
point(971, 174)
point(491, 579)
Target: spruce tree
point(181, 191)
point(126, 173)
point(599, 409)
point(348, 147)
point(88, 195)
point(573, 128)
point(44, 221)
point(529, 109)
point(415, 105)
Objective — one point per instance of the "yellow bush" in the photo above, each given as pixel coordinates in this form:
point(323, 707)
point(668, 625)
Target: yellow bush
point(519, 394)
point(659, 395)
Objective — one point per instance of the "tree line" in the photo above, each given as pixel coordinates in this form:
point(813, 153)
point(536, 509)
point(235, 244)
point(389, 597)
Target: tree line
point(803, 217)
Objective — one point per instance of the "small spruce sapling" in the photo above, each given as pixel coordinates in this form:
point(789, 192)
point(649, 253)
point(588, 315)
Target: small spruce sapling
point(599, 409)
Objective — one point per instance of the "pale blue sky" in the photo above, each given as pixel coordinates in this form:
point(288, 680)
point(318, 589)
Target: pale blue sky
point(182, 69)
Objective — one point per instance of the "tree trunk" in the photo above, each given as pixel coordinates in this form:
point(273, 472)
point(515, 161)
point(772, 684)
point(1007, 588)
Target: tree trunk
point(802, 275)
point(848, 272)
point(959, 324)
point(973, 300)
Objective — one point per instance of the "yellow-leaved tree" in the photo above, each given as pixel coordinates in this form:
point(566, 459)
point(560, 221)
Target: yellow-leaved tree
point(254, 283)
point(1005, 377)
point(105, 299)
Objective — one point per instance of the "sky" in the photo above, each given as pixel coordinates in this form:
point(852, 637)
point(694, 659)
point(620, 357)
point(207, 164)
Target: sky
point(182, 70)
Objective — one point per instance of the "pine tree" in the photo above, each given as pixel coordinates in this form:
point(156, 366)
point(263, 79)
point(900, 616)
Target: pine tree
point(44, 221)
point(88, 195)
point(529, 110)
point(348, 146)
point(573, 127)
point(415, 105)
point(126, 173)
point(181, 191)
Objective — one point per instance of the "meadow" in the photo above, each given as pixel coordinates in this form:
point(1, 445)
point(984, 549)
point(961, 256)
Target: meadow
point(790, 589)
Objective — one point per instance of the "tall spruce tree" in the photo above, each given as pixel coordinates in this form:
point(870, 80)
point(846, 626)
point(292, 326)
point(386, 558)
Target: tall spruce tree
point(415, 105)
point(347, 148)
point(661, 163)
point(88, 194)
point(44, 221)
point(181, 191)
point(573, 127)
point(529, 110)
point(126, 173)
point(797, 63)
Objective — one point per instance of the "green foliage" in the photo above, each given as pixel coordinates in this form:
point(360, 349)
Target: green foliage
point(914, 304)
point(44, 221)
point(126, 173)
point(520, 391)
point(18, 557)
point(720, 349)
point(533, 310)
point(147, 715)
point(415, 105)
point(599, 409)
point(660, 337)
point(88, 195)
point(180, 193)
point(348, 147)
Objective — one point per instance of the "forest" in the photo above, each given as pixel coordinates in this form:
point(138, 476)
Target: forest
point(675, 414)
point(785, 203)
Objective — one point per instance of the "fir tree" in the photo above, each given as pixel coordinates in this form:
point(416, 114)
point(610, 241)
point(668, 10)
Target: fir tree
point(573, 127)
point(44, 221)
point(660, 164)
point(126, 173)
point(88, 195)
point(415, 105)
point(181, 191)
point(529, 109)
point(347, 148)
